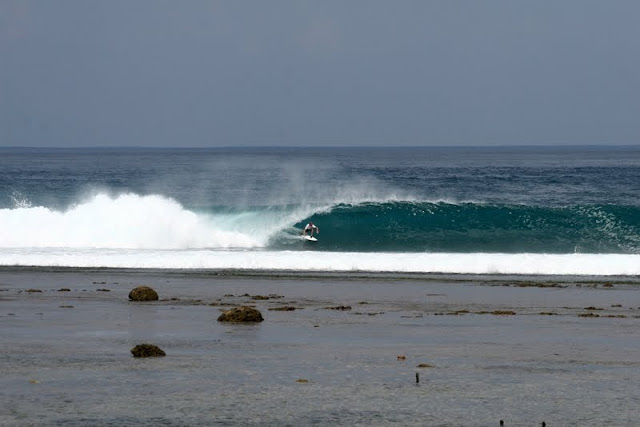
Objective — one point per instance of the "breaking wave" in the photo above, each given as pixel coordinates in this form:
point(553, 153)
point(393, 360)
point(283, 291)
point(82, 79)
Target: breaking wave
point(131, 221)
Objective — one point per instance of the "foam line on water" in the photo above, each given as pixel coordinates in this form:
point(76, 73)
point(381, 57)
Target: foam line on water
point(479, 263)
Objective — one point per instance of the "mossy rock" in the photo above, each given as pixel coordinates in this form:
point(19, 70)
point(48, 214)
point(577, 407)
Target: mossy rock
point(143, 293)
point(147, 350)
point(241, 314)
point(588, 315)
point(285, 308)
point(339, 308)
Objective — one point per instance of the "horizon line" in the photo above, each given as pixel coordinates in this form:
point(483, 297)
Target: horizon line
point(155, 147)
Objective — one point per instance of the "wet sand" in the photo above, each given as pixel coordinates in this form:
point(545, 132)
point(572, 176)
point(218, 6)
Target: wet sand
point(520, 349)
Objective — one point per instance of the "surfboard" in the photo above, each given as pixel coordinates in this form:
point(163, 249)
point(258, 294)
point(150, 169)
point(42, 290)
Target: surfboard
point(310, 238)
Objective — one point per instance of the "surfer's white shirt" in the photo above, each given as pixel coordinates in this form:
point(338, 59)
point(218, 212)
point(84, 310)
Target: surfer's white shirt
point(311, 227)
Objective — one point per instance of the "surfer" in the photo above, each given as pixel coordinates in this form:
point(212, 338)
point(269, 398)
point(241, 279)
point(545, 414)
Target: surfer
point(311, 228)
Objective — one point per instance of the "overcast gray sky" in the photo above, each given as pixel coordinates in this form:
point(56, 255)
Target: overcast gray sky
point(357, 72)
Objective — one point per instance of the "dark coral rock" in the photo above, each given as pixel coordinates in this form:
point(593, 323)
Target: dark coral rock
point(339, 307)
point(147, 350)
point(241, 314)
point(143, 293)
point(425, 365)
point(285, 308)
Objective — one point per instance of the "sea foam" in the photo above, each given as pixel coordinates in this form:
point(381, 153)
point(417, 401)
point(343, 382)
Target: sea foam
point(129, 221)
point(480, 263)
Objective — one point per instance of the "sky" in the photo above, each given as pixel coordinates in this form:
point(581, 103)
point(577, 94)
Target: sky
point(76, 73)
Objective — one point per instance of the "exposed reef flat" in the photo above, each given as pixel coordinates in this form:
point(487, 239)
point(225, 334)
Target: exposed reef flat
point(332, 349)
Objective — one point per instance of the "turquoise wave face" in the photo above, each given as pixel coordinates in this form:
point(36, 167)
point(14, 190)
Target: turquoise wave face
point(471, 227)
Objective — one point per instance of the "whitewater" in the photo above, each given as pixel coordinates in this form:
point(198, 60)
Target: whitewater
point(133, 231)
point(482, 211)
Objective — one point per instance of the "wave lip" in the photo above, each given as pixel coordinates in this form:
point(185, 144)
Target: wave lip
point(453, 263)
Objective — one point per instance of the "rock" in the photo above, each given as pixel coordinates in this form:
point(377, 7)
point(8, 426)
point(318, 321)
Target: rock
point(143, 293)
point(424, 365)
point(241, 314)
point(339, 307)
point(285, 308)
point(64, 290)
point(147, 350)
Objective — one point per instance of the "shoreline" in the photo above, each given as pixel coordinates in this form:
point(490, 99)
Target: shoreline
point(346, 275)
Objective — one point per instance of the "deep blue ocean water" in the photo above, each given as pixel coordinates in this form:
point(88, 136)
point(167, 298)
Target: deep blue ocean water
point(252, 202)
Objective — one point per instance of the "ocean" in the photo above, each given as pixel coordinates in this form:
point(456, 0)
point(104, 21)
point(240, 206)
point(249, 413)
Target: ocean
point(448, 286)
point(473, 210)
